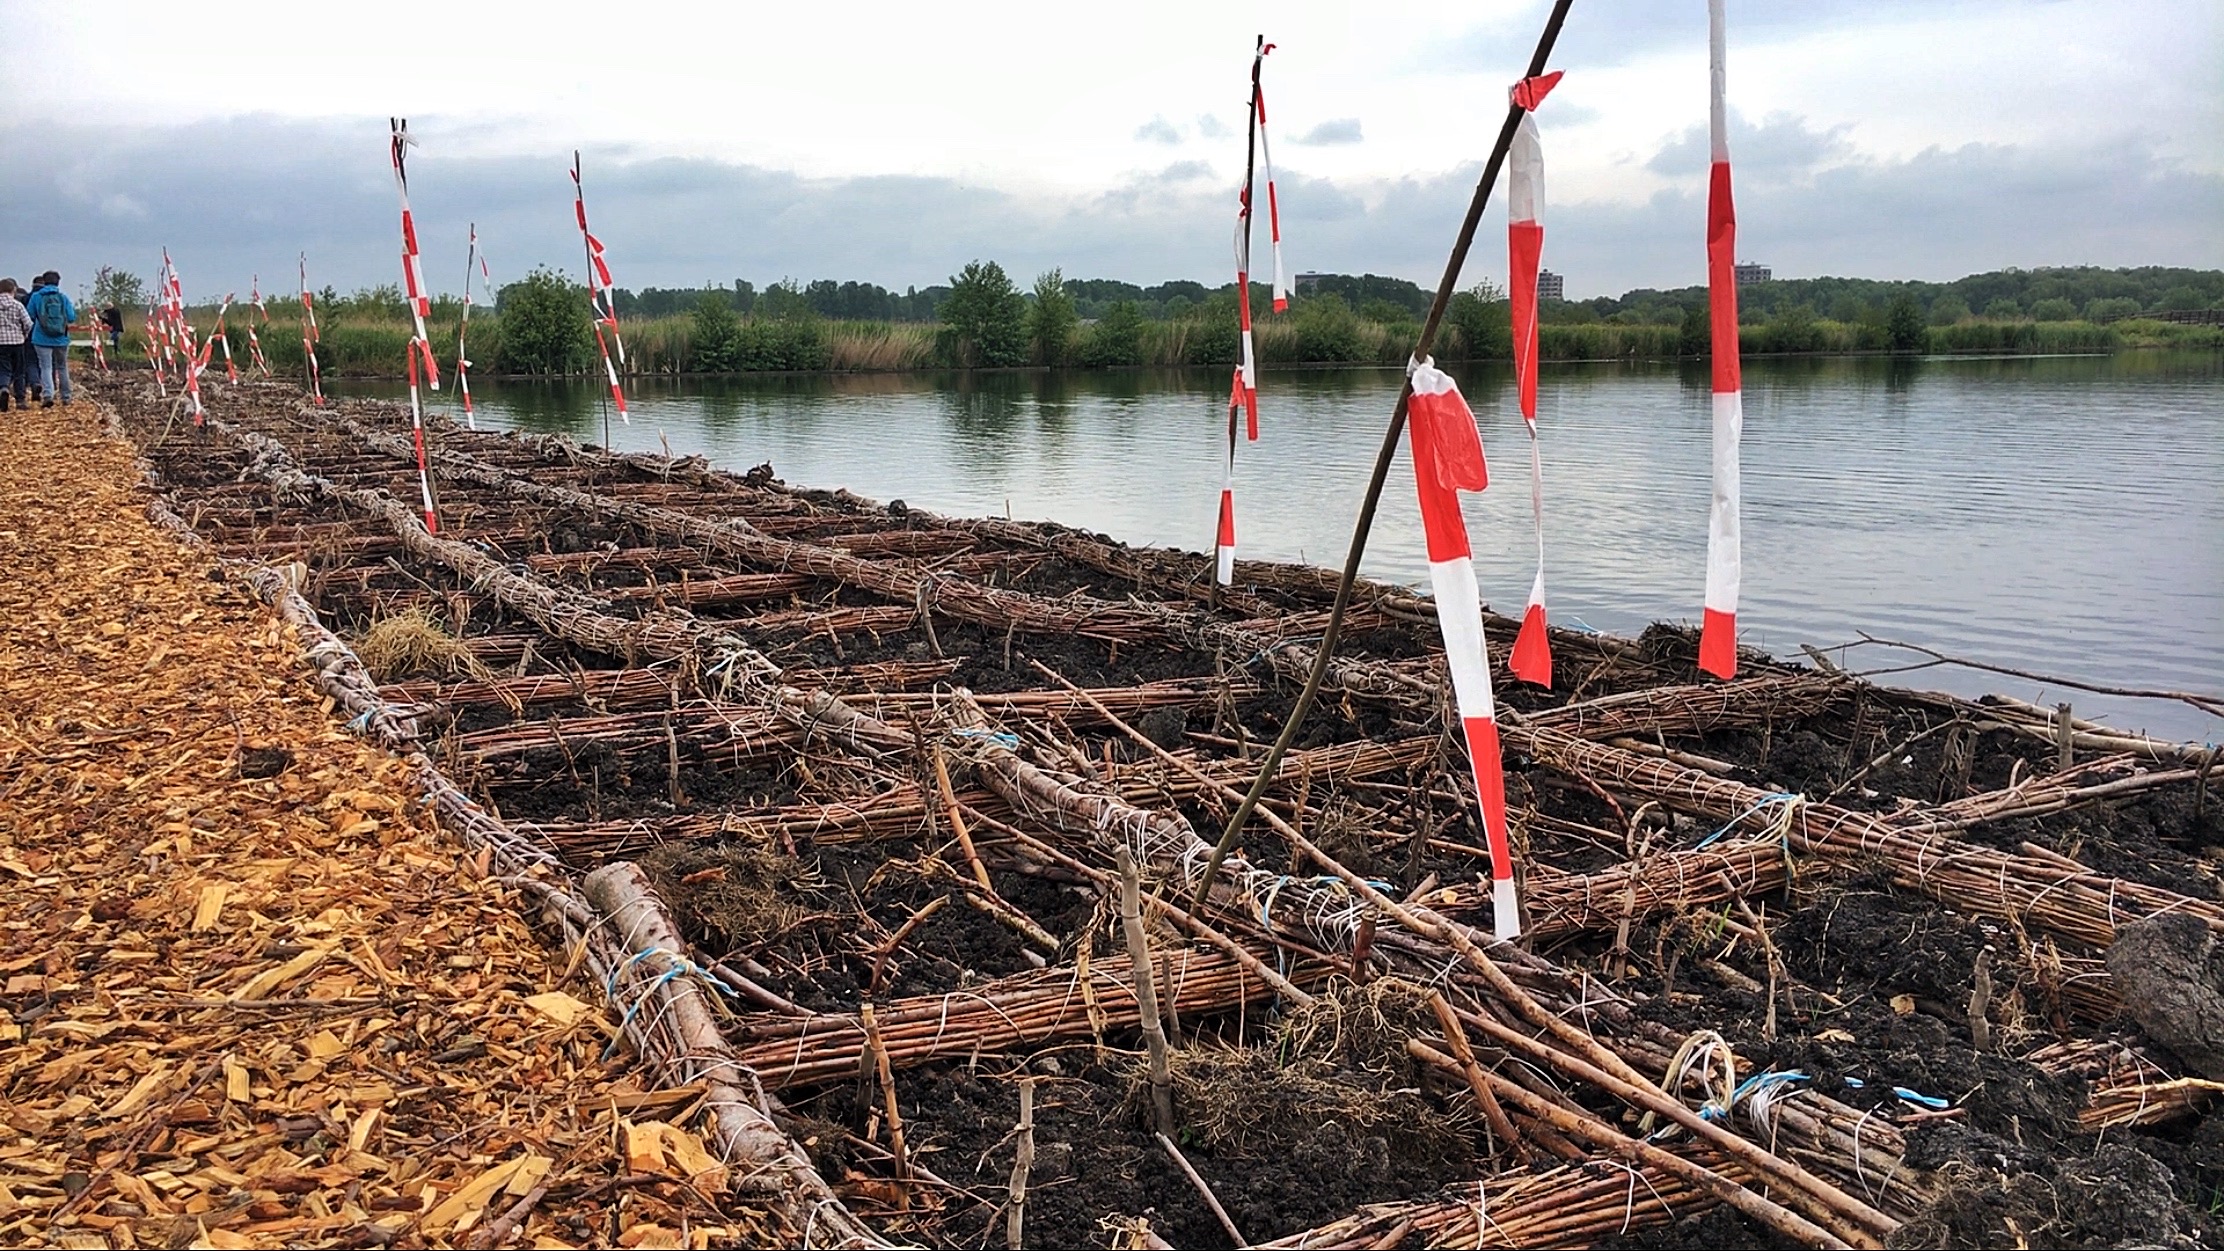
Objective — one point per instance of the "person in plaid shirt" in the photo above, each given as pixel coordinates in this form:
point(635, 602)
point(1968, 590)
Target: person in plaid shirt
point(17, 375)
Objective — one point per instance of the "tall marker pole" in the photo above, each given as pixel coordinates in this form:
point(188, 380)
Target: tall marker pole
point(600, 297)
point(1718, 630)
point(310, 336)
point(419, 347)
point(1243, 392)
point(474, 265)
point(1532, 655)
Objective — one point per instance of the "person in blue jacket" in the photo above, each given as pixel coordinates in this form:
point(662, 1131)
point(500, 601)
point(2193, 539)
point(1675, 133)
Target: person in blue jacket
point(52, 314)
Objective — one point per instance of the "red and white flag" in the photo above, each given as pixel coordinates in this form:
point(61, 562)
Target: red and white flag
point(474, 266)
point(1718, 631)
point(413, 269)
point(1532, 655)
point(1447, 459)
point(601, 294)
point(254, 342)
point(230, 374)
point(419, 302)
point(1244, 387)
point(310, 335)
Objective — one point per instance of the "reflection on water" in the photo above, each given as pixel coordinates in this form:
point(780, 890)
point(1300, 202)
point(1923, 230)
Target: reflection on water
point(2059, 514)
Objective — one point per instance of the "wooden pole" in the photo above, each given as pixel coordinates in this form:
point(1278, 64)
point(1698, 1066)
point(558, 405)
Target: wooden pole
point(1146, 991)
point(1015, 1211)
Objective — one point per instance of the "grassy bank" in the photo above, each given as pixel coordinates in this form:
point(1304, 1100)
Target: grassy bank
point(356, 346)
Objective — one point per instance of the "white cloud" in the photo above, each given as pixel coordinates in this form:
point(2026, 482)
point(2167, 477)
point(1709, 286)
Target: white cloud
point(1339, 130)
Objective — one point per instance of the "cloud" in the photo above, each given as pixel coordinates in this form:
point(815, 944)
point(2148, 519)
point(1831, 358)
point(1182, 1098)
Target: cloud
point(1337, 131)
point(1782, 147)
point(1806, 204)
point(1212, 127)
point(1158, 130)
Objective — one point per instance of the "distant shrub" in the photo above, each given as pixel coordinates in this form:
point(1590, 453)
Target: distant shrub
point(2056, 309)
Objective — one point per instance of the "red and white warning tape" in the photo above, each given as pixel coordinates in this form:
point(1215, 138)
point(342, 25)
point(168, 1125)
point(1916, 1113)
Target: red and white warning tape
point(230, 374)
point(1447, 454)
point(419, 307)
point(254, 342)
point(1532, 655)
point(1718, 630)
point(474, 266)
point(600, 293)
point(1244, 387)
point(309, 335)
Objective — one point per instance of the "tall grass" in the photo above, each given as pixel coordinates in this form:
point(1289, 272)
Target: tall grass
point(359, 343)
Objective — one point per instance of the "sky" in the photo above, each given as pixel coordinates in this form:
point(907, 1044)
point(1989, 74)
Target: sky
point(892, 143)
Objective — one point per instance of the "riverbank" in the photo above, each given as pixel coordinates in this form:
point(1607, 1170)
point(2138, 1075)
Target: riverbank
point(249, 994)
point(666, 347)
point(886, 766)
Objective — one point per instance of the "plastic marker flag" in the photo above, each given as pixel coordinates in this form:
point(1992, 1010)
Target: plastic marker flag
point(231, 375)
point(1718, 631)
point(413, 269)
point(474, 265)
point(154, 355)
point(255, 343)
point(1447, 459)
point(600, 293)
point(309, 335)
point(1532, 655)
point(420, 346)
point(1243, 391)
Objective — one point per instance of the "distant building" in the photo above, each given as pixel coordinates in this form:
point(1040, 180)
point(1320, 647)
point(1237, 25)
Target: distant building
point(1551, 286)
point(1307, 281)
point(1749, 273)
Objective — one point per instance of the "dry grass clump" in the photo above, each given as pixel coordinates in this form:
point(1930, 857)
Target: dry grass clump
point(412, 644)
point(1249, 1102)
point(731, 896)
point(1363, 1027)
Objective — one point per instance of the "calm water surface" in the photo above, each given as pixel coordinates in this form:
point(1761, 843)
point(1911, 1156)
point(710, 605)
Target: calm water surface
point(2063, 515)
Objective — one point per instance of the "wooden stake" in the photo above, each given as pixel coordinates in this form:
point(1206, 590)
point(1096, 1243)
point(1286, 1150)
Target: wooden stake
point(1015, 1211)
point(888, 1099)
point(2065, 737)
point(1485, 1098)
point(1146, 991)
point(1211, 1200)
point(957, 818)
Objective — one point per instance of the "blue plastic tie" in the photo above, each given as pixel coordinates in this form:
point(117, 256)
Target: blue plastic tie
point(1933, 1102)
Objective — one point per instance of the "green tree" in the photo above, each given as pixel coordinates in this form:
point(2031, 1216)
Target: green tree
point(1052, 321)
point(545, 325)
point(716, 333)
point(780, 300)
point(2056, 309)
point(1793, 329)
point(1949, 309)
point(2180, 299)
point(119, 287)
point(1327, 329)
point(1484, 320)
point(1697, 337)
point(986, 318)
point(2114, 309)
point(1117, 338)
point(2004, 309)
point(1904, 326)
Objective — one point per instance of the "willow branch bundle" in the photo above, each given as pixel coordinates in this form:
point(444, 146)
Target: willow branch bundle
point(609, 688)
point(727, 731)
point(1692, 710)
point(899, 812)
point(2082, 906)
point(736, 588)
point(2038, 797)
point(1569, 1205)
point(2124, 1085)
point(1011, 1014)
point(680, 1004)
point(571, 615)
point(1073, 710)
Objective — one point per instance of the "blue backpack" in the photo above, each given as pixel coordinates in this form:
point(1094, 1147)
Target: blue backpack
point(53, 315)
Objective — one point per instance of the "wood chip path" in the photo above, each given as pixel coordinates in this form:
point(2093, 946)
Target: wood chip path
point(247, 996)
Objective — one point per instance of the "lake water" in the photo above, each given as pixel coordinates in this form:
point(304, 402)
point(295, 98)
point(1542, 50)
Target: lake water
point(2063, 515)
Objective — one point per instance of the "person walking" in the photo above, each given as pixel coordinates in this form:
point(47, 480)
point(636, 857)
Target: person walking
point(15, 348)
point(30, 362)
point(52, 314)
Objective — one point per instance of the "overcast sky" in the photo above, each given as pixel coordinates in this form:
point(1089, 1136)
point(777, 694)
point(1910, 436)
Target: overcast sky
point(892, 143)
